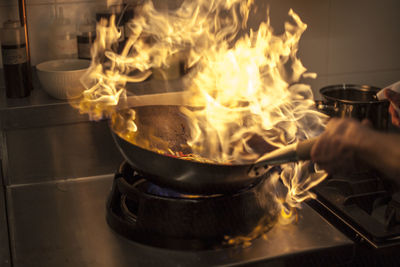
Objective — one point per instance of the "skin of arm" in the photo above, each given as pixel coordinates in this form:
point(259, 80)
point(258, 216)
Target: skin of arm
point(347, 145)
point(394, 98)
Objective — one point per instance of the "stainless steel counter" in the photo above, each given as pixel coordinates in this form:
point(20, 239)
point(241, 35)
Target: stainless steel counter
point(62, 223)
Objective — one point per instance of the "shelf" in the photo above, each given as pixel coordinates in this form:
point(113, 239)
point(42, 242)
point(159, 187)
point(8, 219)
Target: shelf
point(39, 98)
point(40, 109)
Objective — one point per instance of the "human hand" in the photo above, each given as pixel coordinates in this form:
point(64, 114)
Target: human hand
point(336, 150)
point(394, 99)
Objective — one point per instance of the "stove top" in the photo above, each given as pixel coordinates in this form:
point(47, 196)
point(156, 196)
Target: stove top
point(62, 223)
point(157, 216)
point(366, 204)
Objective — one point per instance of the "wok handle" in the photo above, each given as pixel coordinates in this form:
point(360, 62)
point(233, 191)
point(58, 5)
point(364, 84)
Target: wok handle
point(304, 148)
point(291, 153)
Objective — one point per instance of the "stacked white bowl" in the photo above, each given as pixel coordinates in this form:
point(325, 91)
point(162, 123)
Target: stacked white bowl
point(61, 78)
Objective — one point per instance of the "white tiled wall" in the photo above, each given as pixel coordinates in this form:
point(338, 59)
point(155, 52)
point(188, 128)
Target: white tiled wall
point(40, 14)
point(353, 41)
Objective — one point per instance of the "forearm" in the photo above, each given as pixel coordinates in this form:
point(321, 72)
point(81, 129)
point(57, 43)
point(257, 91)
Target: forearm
point(382, 151)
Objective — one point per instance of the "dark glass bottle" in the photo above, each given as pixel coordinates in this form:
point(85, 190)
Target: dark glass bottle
point(86, 37)
point(17, 72)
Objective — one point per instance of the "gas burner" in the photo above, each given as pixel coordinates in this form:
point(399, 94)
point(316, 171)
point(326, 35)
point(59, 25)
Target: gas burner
point(166, 192)
point(157, 216)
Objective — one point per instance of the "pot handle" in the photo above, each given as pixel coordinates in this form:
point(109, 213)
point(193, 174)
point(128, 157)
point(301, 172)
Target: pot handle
point(325, 107)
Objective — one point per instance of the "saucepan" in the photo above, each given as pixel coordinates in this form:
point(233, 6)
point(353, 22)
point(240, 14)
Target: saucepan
point(163, 127)
point(355, 101)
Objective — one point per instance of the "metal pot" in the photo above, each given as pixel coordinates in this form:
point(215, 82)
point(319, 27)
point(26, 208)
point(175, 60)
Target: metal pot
point(354, 101)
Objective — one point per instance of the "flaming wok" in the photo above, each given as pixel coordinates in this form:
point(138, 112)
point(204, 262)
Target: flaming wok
point(163, 128)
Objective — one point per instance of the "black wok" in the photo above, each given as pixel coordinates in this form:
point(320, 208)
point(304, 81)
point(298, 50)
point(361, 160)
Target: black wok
point(169, 129)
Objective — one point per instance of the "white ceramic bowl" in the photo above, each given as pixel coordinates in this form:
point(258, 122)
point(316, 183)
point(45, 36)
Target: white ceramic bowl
point(61, 78)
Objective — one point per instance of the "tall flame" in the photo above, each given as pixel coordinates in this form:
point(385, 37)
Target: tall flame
point(250, 89)
point(247, 84)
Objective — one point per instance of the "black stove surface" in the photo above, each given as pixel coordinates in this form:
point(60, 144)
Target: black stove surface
point(364, 203)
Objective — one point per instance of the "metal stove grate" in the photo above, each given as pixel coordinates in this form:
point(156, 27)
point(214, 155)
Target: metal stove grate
point(363, 202)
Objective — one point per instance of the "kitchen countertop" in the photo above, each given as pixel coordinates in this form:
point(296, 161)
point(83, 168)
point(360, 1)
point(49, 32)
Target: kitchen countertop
point(63, 224)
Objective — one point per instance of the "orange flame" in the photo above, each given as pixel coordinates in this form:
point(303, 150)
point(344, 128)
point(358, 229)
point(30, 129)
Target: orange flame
point(246, 84)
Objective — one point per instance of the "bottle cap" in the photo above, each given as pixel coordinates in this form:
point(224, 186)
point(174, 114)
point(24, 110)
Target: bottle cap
point(12, 33)
point(88, 24)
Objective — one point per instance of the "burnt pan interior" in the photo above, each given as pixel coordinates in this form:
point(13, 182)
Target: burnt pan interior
point(164, 129)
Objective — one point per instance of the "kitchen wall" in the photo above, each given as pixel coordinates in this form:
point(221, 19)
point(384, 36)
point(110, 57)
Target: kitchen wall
point(40, 15)
point(353, 41)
